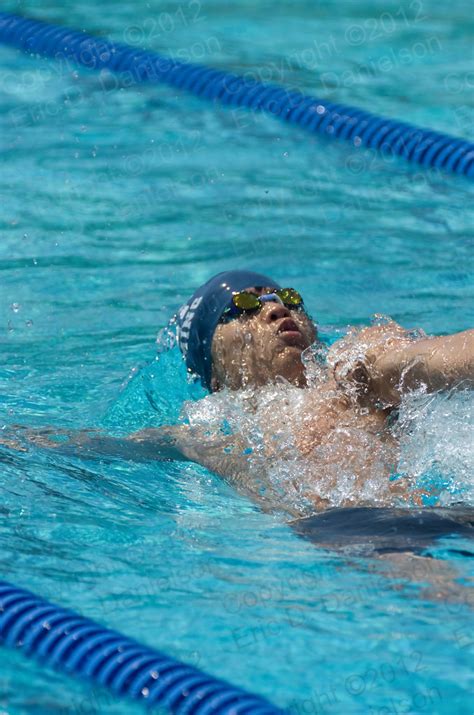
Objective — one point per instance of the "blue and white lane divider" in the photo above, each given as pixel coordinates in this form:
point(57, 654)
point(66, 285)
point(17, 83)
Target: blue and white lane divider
point(65, 641)
point(338, 121)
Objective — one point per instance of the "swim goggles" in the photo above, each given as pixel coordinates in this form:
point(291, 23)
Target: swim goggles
point(245, 302)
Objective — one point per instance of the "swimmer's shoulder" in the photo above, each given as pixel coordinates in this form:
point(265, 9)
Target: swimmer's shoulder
point(353, 361)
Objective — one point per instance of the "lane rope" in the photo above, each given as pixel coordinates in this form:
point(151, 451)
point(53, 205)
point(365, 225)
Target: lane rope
point(429, 149)
point(68, 642)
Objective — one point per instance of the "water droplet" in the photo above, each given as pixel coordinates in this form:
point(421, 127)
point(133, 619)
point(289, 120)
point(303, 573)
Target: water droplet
point(29, 323)
point(15, 307)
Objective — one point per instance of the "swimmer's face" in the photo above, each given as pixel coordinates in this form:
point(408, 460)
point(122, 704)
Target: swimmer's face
point(257, 347)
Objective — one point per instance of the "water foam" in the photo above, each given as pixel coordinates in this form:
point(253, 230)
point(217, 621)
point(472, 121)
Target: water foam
point(431, 465)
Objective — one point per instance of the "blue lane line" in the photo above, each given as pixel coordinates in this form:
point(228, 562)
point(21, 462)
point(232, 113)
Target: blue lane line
point(425, 147)
point(66, 641)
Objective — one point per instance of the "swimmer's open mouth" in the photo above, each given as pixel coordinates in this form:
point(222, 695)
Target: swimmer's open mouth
point(288, 325)
point(290, 333)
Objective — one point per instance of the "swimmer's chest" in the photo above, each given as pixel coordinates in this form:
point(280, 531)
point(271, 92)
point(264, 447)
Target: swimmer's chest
point(324, 417)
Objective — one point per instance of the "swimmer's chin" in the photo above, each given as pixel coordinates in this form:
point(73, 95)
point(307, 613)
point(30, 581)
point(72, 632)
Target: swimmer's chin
point(290, 346)
point(291, 368)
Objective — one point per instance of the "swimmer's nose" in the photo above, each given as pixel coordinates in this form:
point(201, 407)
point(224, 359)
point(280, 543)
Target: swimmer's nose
point(272, 311)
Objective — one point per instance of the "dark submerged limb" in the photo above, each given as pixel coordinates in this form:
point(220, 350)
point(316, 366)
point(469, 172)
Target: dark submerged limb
point(396, 543)
point(385, 529)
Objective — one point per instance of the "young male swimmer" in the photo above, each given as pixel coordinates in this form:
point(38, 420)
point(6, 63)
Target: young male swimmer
point(243, 330)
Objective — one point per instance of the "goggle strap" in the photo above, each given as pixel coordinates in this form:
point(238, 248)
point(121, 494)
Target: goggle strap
point(267, 297)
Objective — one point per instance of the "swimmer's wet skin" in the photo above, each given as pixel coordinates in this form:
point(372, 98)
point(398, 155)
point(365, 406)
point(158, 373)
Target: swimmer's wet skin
point(243, 330)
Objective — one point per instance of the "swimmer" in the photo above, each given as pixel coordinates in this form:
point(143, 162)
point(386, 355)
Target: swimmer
point(244, 336)
point(241, 332)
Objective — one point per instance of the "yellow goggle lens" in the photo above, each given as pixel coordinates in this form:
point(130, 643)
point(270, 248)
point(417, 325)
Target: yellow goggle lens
point(289, 296)
point(246, 301)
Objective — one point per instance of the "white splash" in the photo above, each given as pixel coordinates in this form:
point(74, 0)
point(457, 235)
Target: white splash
point(433, 440)
point(437, 446)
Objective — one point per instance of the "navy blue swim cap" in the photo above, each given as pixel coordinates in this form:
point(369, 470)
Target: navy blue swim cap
point(198, 318)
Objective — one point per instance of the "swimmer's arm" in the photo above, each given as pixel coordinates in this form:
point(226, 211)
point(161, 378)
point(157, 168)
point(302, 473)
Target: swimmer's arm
point(94, 444)
point(228, 456)
point(437, 363)
point(385, 362)
point(225, 455)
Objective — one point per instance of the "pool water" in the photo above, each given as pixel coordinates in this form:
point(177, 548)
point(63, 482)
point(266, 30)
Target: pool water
point(116, 203)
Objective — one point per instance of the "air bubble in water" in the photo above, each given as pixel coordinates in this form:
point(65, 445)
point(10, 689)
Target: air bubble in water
point(380, 319)
point(15, 307)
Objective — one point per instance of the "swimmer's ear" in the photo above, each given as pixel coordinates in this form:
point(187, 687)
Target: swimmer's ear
point(215, 386)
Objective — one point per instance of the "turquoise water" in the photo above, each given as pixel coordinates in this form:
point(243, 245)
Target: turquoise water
point(116, 203)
